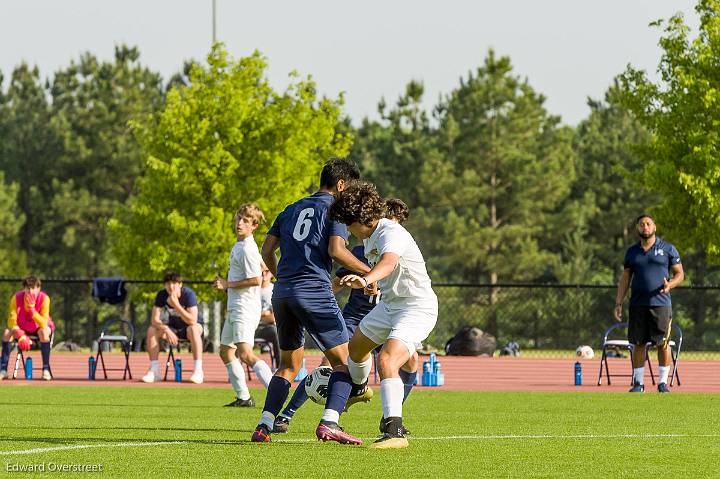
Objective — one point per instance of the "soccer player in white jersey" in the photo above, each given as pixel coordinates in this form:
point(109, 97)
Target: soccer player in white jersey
point(243, 306)
point(408, 308)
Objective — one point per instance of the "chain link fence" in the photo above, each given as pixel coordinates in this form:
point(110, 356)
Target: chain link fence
point(561, 317)
point(545, 319)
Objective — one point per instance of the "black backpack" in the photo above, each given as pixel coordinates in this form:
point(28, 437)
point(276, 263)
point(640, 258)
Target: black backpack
point(471, 341)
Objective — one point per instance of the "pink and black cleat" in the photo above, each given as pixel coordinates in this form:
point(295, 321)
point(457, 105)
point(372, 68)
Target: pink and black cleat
point(330, 431)
point(261, 434)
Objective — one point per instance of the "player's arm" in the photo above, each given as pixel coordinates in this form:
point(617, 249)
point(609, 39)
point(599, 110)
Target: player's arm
point(388, 262)
point(678, 277)
point(267, 252)
point(12, 313)
point(338, 252)
point(222, 283)
point(189, 315)
point(623, 286)
point(42, 317)
point(155, 319)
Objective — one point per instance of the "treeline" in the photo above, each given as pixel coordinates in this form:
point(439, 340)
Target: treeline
point(106, 168)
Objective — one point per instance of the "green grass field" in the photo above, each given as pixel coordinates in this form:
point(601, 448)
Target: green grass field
point(515, 435)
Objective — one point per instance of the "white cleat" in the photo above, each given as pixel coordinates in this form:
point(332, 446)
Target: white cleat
point(197, 376)
point(151, 376)
point(46, 375)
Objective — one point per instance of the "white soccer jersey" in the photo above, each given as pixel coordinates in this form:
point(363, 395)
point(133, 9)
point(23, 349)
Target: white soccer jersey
point(245, 262)
point(409, 282)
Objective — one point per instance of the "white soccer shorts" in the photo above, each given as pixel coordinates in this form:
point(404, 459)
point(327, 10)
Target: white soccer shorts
point(410, 324)
point(239, 328)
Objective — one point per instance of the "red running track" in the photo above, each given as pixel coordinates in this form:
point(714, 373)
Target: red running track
point(461, 373)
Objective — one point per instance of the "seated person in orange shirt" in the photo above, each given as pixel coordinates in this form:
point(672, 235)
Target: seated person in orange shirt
point(28, 313)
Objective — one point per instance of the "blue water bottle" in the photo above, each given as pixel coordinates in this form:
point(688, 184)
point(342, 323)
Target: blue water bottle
point(438, 377)
point(578, 373)
point(91, 368)
point(178, 370)
point(28, 368)
point(426, 373)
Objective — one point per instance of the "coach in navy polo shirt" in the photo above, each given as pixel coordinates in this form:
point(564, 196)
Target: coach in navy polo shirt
point(648, 265)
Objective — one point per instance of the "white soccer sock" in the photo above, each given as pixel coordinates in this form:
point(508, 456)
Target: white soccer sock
point(236, 375)
point(330, 415)
point(268, 420)
point(392, 391)
point(664, 372)
point(638, 375)
point(359, 372)
point(154, 365)
point(198, 365)
point(263, 372)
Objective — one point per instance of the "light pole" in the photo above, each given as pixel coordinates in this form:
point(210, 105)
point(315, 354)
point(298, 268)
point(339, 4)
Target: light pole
point(214, 38)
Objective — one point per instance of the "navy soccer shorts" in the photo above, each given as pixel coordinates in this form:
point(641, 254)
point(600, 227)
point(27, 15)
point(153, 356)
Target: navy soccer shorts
point(320, 316)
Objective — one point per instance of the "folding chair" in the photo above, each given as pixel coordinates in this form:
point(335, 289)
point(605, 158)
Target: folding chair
point(126, 343)
point(171, 356)
point(20, 356)
point(618, 345)
point(675, 345)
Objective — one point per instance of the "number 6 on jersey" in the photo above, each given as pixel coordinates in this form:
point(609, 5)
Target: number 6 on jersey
point(302, 227)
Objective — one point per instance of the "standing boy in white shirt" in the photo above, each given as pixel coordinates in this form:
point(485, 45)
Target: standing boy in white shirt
point(243, 308)
point(408, 308)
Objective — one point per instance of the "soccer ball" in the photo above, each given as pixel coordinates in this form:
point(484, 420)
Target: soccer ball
point(316, 384)
point(584, 352)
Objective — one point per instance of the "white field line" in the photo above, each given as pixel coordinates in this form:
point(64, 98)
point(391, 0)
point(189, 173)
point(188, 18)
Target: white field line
point(412, 438)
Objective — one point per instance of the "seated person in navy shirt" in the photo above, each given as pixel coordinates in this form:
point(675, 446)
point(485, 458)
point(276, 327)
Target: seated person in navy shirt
point(648, 265)
point(179, 305)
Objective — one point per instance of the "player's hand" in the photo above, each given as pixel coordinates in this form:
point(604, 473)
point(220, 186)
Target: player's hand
point(30, 301)
point(618, 313)
point(220, 283)
point(171, 337)
point(353, 281)
point(24, 342)
point(666, 286)
point(371, 290)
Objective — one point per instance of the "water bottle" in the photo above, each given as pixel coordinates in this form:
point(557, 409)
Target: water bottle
point(578, 373)
point(178, 370)
point(302, 372)
point(28, 368)
point(91, 368)
point(427, 372)
point(438, 377)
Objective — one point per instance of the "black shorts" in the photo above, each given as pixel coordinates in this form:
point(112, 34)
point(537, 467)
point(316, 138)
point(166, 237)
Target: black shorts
point(649, 324)
point(180, 329)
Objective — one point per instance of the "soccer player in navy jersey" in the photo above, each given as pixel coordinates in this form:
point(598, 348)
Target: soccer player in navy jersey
point(359, 304)
point(303, 299)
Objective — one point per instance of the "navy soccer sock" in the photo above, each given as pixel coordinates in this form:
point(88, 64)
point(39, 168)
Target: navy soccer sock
point(339, 388)
point(45, 351)
point(277, 393)
point(408, 380)
point(296, 401)
point(5, 355)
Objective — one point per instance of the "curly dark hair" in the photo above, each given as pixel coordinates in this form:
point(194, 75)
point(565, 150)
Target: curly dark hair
point(358, 203)
point(396, 209)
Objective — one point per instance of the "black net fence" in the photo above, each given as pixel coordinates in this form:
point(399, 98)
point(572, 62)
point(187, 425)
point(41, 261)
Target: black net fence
point(539, 317)
point(561, 317)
